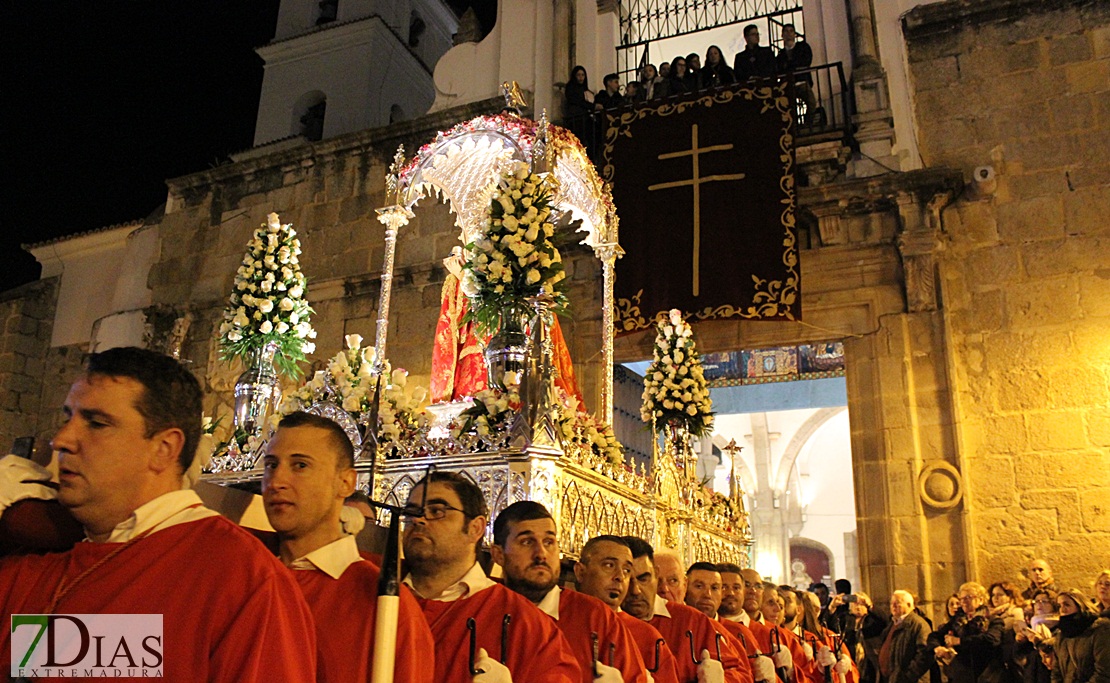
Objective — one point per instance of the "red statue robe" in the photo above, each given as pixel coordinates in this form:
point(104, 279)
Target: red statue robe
point(538, 652)
point(674, 624)
point(231, 611)
point(345, 612)
point(581, 616)
point(458, 366)
point(645, 636)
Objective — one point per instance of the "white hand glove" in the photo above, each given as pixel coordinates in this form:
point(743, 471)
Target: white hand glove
point(710, 670)
point(607, 674)
point(763, 669)
point(650, 678)
point(493, 670)
point(20, 479)
point(825, 657)
point(808, 650)
point(843, 666)
point(352, 520)
point(783, 660)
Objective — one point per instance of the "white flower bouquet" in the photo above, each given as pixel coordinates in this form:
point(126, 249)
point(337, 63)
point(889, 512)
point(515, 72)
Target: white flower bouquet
point(492, 410)
point(351, 382)
point(674, 386)
point(267, 304)
point(513, 257)
point(580, 429)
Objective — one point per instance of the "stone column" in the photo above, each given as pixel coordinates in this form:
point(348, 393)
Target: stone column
point(873, 119)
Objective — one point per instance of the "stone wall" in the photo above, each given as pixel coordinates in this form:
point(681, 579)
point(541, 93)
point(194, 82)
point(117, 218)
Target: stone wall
point(26, 320)
point(1025, 270)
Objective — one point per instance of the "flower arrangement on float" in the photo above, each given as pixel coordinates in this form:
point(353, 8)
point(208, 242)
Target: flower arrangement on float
point(491, 414)
point(675, 390)
point(581, 429)
point(513, 257)
point(267, 306)
point(350, 381)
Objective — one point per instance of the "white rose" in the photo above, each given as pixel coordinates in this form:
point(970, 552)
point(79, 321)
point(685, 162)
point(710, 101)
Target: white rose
point(296, 291)
point(308, 347)
point(286, 304)
point(266, 285)
point(266, 327)
point(354, 341)
point(265, 305)
point(282, 327)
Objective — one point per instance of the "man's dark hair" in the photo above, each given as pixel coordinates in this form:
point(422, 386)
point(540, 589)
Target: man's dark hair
point(610, 77)
point(337, 438)
point(791, 26)
point(728, 568)
point(521, 511)
point(814, 586)
point(749, 28)
point(596, 540)
point(473, 502)
point(357, 497)
point(170, 398)
point(703, 566)
point(640, 548)
point(843, 586)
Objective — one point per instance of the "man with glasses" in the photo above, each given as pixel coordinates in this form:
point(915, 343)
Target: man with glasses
point(308, 472)
point(755, 61)
point(512, 640)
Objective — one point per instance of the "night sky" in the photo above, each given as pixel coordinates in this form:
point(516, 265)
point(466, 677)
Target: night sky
point(102, 100)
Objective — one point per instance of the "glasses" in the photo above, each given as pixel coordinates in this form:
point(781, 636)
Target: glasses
point(431, 512)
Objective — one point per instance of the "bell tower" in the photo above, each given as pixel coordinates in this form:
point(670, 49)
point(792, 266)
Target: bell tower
point(338, 66)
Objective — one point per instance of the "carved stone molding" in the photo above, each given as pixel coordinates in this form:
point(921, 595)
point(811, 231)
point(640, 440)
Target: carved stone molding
point(940, 485)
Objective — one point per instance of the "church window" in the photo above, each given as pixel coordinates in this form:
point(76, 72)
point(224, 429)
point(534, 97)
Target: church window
point(308, 115)
point(417, 26)
point(328, 11)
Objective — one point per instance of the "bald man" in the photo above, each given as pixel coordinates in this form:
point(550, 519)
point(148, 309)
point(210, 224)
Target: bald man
point(1040, 578)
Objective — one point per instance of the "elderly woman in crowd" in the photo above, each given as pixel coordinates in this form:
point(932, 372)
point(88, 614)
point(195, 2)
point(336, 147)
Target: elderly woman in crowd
point(1082, 641)
point(968, 645)
point(1030, 636)
point(1102, 593)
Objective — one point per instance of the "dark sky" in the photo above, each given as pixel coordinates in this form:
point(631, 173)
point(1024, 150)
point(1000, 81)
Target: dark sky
point(102, 100)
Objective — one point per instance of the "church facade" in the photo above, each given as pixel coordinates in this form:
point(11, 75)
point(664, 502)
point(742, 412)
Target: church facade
point(958, 248)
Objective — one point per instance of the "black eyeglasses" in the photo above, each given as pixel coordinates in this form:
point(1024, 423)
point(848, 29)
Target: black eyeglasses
point(431, 512)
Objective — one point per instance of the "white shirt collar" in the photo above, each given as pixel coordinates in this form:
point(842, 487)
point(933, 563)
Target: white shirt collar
point(168, 509)
point(332, 559)
point(550, 603)
point(473, 581)
point(743, 618)
point(661, 607)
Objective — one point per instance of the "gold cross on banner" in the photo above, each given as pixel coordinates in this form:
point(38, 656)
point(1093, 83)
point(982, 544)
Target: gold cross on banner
point(696, 182)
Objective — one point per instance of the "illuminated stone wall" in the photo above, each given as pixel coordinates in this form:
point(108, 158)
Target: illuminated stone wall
point(1025, 270)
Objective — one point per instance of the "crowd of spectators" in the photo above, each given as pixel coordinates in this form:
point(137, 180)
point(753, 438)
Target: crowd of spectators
point(688, 74)
point(996, 634)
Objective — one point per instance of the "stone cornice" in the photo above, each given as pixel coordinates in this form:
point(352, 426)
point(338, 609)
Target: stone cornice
point(864, 195)
point(945, 17)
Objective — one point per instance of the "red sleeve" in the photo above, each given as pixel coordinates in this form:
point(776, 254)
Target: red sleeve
point(732, 657)
point(668, 667)
point(272, 638)
point(626, 656)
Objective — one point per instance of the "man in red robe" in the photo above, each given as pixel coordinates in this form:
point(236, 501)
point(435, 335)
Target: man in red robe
point(785, 648)
point(730, 614)
point(674, 620)
point(603, 571)
point(441, 552)
point(230, 611)
point(308, 472)
point(527, 548)
point(703, 593)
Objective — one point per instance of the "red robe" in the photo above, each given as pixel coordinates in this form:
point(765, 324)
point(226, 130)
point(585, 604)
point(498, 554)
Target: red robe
point(345, 613)
point(743, 634)
point(538, 652)
point(579, 617)
point(829, 640)
point(804, 668)
point(674, 630)
point(231, 611)
point(645, 636)
point(744, 668)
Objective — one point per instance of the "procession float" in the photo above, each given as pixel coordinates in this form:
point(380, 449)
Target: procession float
point(503, 407)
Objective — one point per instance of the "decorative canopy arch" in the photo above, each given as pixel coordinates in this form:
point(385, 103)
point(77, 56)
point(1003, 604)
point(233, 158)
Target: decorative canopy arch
point(464, 164)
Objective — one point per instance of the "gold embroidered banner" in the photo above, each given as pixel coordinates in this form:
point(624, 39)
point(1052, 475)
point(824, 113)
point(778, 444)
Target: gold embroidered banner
point(704, 188)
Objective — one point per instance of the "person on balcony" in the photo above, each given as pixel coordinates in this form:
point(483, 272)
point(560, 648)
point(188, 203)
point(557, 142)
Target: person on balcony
point(715, 73)
point(755, 61)
point(795, 56)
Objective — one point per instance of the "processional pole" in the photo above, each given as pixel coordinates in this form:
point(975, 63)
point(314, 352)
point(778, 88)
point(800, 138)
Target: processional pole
point(608, 250)
point(394, 217)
